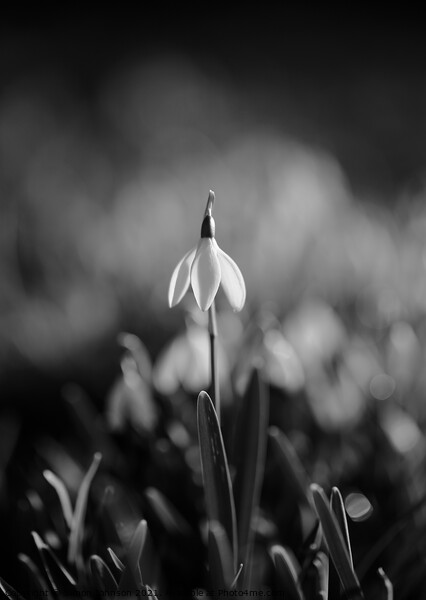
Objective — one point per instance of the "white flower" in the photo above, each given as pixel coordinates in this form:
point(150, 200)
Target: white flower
point(185, 361)
point(205, 267)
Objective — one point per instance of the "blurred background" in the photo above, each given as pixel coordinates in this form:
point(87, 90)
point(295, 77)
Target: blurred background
point(310, 128)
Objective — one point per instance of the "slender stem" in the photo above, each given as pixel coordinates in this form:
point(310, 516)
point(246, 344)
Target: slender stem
point(213, 359)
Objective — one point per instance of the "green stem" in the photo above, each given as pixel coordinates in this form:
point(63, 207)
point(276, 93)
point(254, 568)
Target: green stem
point(213, 359)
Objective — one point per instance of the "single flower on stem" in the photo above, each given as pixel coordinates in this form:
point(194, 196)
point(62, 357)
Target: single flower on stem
point(205, 267)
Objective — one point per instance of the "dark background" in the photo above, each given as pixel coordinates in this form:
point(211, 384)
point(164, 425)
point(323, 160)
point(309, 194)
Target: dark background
point(350, 80)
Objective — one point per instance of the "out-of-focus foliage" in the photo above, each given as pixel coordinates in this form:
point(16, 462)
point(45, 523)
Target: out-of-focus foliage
point(100, 196)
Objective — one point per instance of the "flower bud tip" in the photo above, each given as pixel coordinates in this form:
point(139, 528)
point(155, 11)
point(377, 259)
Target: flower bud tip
point(210, 202)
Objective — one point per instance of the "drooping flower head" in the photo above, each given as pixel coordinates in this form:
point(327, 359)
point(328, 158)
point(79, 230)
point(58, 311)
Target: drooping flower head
point(205, 267)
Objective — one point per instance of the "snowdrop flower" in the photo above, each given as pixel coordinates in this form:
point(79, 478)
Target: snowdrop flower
point(130, 400)
point(205, 267)
point(185, 362)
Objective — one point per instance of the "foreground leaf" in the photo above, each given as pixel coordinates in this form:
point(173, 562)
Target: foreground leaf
point(59, 577)
point(63, 495)
point(102, 574)
point(250, 453)
point(8, 591)
point(131, 577)
point(338, 508)
point(287, 573)
point(321, 565)
point(216, 478)
point(117, 562)
point(336, 545)
point(220, 558)
point(295, 476)
point(77, 529)
point(387, 584)
point(291, 466)
point(37, 582)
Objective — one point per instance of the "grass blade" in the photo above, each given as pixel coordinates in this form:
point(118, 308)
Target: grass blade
point(102, 574)
point(336, 545)
point(250, 454)
point(291, 467)
point(8, 591)
point(131, 577)
point(338, 508)
point(77, 529)
point(220, 558)
point(63, 495)
point(387, 583)
point(216, 478)
point(40, 521)
point(117, 562)
point(287, 573)
point(59, 578)
point(37, 583)
point(150, 592)
point(295, 477)
point(321, 565)
point(237, 576)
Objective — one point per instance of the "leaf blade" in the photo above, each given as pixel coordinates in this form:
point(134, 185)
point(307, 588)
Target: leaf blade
point(131, 577)
point(250, 456)
point(216, 478)
point(76, 535)
point(63, 495)
point(338, 508)
point(220, 557)
point(336, 545)
point(102, 574)
point(58, 576)
point(286, 573)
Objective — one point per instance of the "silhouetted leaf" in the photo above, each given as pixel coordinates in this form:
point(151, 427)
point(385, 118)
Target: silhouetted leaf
point(36, 580)
point(63, 495)
point(321, 565)
point(102, 574)
point(132, 576)
point(287, 573)
point(77, 529)
point(59, 577)
point(338, 508)
point(217, 481)
point(387, 584)
point(250, 453)
point(220, 557)
point(8, 591)
point(117, 562)
point(336, 545)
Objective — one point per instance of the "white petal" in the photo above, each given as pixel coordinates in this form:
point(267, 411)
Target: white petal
point(232, 280)
point(205, 273)
point(179, 283)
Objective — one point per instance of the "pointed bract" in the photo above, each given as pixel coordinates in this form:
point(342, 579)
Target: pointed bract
point(205, 273)
point(179, 282)
point(232, 280)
